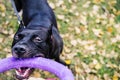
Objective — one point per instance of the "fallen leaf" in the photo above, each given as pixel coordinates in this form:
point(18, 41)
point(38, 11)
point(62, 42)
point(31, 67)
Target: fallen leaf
point(115, 77)
point(61, 17)
point(52, 5)
point(32, 78)
point(2, 8)
point(68, 61)
point(117, 13)
point(98, 1)
point(77, 30)
point(87, 4)
point(59, 3)
point(98, 32)
point(98, 66)
point(36, 74)
point(74, 42)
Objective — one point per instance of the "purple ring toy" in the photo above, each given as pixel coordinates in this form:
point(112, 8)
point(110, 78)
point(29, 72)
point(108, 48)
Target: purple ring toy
point(41, 63)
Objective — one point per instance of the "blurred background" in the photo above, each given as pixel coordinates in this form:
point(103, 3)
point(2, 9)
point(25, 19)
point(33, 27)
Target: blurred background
point(91, 33)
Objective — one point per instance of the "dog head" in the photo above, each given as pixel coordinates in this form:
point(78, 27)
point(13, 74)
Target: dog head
point(30, 43)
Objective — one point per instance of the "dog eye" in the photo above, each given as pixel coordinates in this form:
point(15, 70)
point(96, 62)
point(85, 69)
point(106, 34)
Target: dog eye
point(37, 39)
point(18, 37)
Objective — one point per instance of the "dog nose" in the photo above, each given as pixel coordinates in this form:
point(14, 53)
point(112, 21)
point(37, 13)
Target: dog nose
point(19, 51)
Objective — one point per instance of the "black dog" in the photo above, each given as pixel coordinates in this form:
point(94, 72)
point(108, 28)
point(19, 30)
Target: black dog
point(40, 38)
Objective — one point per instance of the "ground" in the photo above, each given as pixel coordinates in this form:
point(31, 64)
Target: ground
point(91, 33)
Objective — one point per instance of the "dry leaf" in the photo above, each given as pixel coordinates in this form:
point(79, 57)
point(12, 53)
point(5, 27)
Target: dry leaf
point(59, 3)
point(87, 4)
point(77, 30)
point(98, 32)
point(68, 61)
point(98, 66)
point(98, 1)
point(74, 42)
point(32, 78)
point(61, 17)
point(115, 77)
point(36, 74)
point(52, 5)
point(2, 8)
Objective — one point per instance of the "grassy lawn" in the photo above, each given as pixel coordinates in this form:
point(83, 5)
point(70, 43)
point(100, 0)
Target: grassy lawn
point(91, 33)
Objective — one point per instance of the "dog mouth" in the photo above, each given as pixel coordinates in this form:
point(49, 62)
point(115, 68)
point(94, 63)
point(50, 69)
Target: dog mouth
point(24, 72)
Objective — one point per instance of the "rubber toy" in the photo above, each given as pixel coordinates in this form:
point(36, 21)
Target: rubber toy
point(62, 72)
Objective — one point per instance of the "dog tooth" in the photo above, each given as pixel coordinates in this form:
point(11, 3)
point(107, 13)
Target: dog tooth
point(19, 69)
point(17, 72)
point(26, 72)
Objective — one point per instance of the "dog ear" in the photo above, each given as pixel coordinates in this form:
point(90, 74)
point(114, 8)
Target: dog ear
point(18, 4)
point(50, 29)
